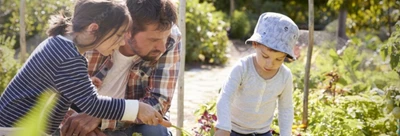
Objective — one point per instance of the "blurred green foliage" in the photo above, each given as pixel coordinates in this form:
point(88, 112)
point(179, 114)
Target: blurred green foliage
point(295, 9)
point(369, 15)
point(206, 36)
point(34, 123)
point(37, 13)
point(392, 49)
point(363, 15)
point(346, 95)
point(8, 65)
point(240, 25)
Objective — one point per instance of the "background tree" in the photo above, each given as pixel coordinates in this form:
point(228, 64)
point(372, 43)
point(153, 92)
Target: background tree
point(37, 16)
point(366, 15)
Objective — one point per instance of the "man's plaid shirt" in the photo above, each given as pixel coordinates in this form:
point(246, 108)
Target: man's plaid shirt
point(153, 83)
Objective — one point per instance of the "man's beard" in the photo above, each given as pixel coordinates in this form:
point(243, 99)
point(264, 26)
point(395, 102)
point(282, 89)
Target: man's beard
point(148, 57)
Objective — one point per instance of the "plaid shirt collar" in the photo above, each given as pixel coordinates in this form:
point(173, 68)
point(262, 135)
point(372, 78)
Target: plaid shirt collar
point(107, 63)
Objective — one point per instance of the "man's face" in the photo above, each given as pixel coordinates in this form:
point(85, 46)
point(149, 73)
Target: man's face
point(149, 44)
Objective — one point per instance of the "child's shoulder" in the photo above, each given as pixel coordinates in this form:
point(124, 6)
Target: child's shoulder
point(247, 59)
point(243, 63)
point(285, 70)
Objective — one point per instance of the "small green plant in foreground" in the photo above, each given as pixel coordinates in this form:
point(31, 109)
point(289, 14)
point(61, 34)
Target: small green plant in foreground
point(34, 123)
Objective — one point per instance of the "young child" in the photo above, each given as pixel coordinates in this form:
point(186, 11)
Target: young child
point(57, 65)
point(248, 99)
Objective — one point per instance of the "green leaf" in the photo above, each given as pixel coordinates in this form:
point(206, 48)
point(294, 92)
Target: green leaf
point(333, 55)
point(394, 60)
point(34, 123)
point(384, 53)
point(342, 81)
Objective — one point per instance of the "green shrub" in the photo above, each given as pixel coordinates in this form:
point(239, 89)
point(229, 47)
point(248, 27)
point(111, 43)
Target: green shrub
point(392, 49)
point(8, 65)
point(345, 92)
point(206, 37)
point(240, 25)
point(37, 14)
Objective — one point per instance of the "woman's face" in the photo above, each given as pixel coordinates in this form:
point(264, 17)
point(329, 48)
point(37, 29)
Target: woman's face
point(108, 44)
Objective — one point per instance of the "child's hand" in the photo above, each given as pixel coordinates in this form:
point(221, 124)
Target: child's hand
point(96, 81)
point(221, 132)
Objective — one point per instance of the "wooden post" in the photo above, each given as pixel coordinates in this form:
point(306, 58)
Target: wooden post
point(398, 127)
point(182, 27)
point(22, 30)
point(308, 63)
point(232, 8)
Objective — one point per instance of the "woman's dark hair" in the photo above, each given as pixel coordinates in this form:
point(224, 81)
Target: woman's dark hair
point(108, 14)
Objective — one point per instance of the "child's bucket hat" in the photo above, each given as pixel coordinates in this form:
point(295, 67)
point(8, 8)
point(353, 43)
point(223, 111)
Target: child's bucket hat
point(276, 31)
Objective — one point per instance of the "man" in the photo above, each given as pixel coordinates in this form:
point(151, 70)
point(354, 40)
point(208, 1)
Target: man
point(146, 69)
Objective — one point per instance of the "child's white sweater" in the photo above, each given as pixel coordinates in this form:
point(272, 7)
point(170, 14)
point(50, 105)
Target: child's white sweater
point(247, 101)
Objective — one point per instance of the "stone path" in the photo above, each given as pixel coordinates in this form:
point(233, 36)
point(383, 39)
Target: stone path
point(203, 82)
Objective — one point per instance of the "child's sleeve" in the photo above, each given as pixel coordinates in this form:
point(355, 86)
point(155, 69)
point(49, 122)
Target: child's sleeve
point(285, 107)
point(226, 96)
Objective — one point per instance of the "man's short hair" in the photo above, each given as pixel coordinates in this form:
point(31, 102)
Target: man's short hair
point(146, 12)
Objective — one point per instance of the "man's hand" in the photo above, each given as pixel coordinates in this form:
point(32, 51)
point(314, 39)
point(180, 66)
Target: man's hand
point(148, 115)
point(79, 125)
point(221, 132)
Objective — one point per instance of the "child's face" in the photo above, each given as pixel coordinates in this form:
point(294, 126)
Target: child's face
point(267, 59)
point(115, 41)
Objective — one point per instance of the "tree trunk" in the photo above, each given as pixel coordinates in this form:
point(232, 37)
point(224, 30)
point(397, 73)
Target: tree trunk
point(341, 30)
point(22, 39)
point(389, 21)
point(232, 9)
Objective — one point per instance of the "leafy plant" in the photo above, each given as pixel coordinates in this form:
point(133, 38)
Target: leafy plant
point(206, 119)
point(34, 123)
point(392, 49)
point(240, 25)
point(8, 65)
point(136, 134)
point(183, 132)
point(370, 15)
point(207, 39)
point(345, 96)
point(37, 14)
